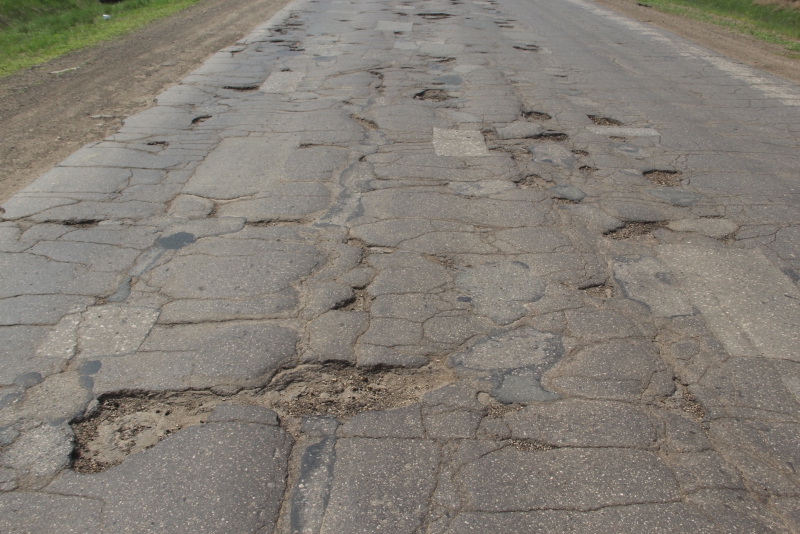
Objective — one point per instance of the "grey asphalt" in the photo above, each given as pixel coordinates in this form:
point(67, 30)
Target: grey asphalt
point(458, 186)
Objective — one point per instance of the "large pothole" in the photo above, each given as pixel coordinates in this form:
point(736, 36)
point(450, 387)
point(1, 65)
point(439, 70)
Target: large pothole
point(122, 425)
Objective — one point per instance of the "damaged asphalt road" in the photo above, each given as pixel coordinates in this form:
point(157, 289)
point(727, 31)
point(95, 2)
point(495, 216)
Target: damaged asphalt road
point(437, 267)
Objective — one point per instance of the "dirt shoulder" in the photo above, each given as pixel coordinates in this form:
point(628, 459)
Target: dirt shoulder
point(769, 57)
point(45, 117)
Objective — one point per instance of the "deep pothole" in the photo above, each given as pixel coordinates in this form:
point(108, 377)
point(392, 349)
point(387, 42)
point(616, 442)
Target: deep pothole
point(663, 177)
point(122, 425)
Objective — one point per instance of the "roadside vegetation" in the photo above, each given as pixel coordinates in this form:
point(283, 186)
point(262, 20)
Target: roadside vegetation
point(774, 21)
point(34, 31)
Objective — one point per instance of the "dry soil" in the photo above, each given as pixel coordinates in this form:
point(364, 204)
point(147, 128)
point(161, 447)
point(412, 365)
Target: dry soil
point(44, 117)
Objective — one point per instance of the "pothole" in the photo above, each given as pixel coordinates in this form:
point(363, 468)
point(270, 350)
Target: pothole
point(663, 177)
point(434, 16)
point(344, 391)
point(241, 88)
point(635, 229)
point(529, 445)
point(360, 302)
point(553, 137)
point(532, 181)
point(126, 424)
point(366, 123)
point(164, 144)
point(434, 95)
point(536, 115)
point(586, 169)
point(604, 121)
point(440, 259)
point(559, 200)
point(604, 291)
point(580, 152)
point(682, 400)
point(201, 118)
point(496, 410)
point(279, 222)
point(527, 47)
point(79, 223)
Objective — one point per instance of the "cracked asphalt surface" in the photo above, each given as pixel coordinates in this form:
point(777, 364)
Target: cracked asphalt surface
point(446, 267)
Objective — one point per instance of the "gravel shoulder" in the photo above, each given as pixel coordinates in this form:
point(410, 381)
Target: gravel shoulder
point(769, 57)
point(45, 117)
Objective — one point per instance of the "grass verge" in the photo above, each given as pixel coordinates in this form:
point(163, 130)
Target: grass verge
point(35, 31)
point(772, 23)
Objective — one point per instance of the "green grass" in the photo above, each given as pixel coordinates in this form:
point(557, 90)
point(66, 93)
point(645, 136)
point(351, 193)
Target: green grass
point(35, 31)
point(770, 23)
